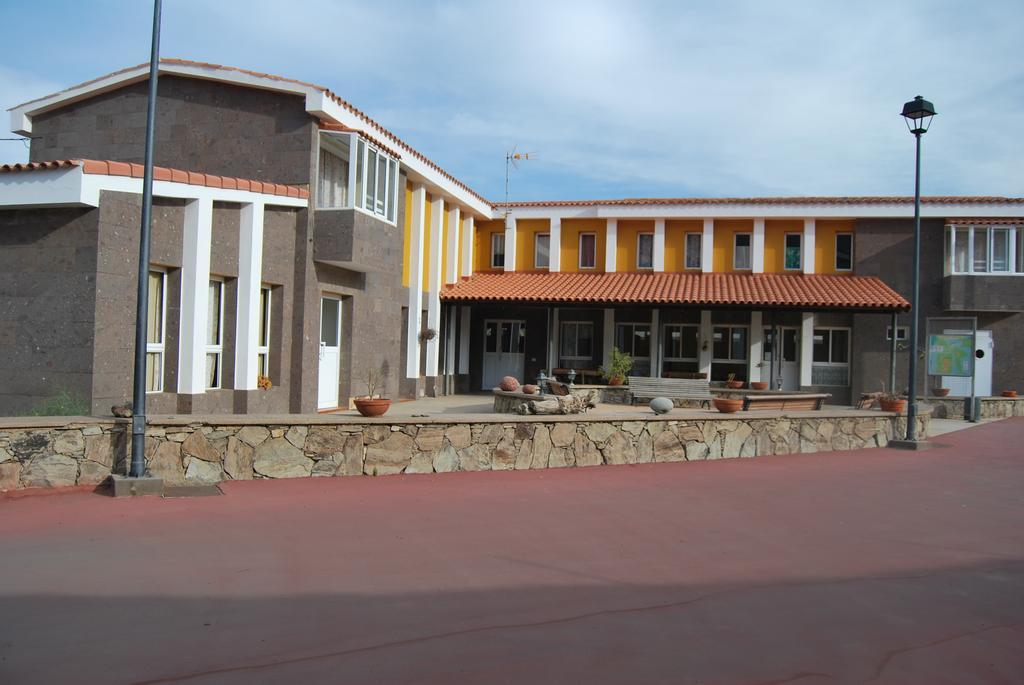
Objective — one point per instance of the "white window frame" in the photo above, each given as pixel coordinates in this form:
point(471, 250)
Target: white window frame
point(576, 356)
point(536, 250)
point(902, 333)
point(159, 347)
point(699, 250)
point(785, 248)
point(1014, 252)
point(579, 250)
point(666, 341)
point(218, 347)
point(639, 266)
point(750, 251)
point(634, 324)
point(830, 363)
point(835, 257)
point(266, 317)
point(729, 360)
point(385, 201)
point(497, 236)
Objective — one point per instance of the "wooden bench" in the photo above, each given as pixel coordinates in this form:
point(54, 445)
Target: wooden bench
point(697, 389)
point(799, 402)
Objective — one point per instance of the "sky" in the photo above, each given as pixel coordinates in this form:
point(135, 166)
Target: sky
point(612, 99)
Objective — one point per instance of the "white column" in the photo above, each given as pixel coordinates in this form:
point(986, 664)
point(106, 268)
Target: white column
point(468, 239)
point(609, 337)
point(418, 213)
point(655, 342)
point(250, 278)
point(555, 245)
point(706, 343)
point(806, 348)
point(807, 249)
point(451, 248)
point(449, 351)
point(659, 244)
point(553, 341)
point(707, 247)
point(195, 292)
point(434, 286)
point(757, 247)
point(756, 346)
point(510, 243)
point(610, 245)
point(1012, 237)
point(464, 323)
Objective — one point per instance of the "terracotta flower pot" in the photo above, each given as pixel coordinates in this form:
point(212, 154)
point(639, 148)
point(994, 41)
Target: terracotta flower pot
point(727, 405)
point(1009, 393)
point(897, 406)
point(376, 406)
point(759, 385)
point(615, 380)
point(940, 392)
point(735, 385)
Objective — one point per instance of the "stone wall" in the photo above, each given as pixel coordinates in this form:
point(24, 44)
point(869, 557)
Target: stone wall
point(61, 454)
point(991, 407)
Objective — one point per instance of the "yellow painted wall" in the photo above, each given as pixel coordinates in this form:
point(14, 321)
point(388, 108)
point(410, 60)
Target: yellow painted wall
point(825, 244)
point(625, 245)
point(407, 246)
point(429, 212)
point(482, 246)
point(675, 242)
point(526, 236)
point(724, 230)
point(571, 229)
point(775, 231)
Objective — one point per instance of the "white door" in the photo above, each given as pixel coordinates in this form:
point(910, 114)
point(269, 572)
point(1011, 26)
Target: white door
point(984, 349)
point(330, 353)
point(504, 351)
point(787, 359)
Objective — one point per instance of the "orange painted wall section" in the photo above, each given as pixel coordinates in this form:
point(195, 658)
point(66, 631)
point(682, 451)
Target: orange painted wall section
point(626, 239)
point(825, 231)
point(571, 229)
point(724, 229)
point(526, 242)
point(482, 246)
point(675, 242)
point(775, 231)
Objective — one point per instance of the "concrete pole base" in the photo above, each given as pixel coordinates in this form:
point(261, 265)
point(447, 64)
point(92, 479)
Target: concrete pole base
point(126, 486)
point(910, 444)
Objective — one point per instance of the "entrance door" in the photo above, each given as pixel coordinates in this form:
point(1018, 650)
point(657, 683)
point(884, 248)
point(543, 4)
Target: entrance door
point(330, 353)
point(960, 386)
point(504, 351)
point(787, 359)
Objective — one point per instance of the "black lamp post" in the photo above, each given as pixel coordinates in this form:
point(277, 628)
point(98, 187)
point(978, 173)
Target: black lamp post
point(918, 114)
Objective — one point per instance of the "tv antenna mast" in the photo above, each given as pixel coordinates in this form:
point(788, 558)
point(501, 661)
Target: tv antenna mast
point(512, 160)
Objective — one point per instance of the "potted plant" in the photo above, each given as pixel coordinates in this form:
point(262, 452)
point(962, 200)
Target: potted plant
point(891, 402)
point(372, 404)
point(758, 385)
point(940, 392)
point(1009, 393)
point(620, 364)
point(731, 382)
point(728, 405)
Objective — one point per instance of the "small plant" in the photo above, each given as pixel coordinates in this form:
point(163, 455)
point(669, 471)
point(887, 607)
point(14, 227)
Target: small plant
point(373, 379)
point(731, 377)
point(620, 364)
point(264, 382)
point(64, 403)
point(427, 334)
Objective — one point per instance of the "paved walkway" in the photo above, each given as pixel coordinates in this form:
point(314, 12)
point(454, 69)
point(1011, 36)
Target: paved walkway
point(874, 566)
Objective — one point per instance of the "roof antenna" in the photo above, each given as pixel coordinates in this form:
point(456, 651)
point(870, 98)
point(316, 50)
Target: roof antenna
point(512, 160)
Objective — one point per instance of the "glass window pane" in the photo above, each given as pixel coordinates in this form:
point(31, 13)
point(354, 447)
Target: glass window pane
point(738, 343)
point(212, 370)
point(505, 344)
point(360, 151)
point(844, 251)
point(261, 364)
point(1000, 249)
point(491, 337)
point(497, 250)
point(382, 183)
point(623, 339)
point(720, 343)
point(213, 314)
point(585, 340)
point(542, 251)
point(519, 337)
point(155, 308)
point(792, 251)
point(641, 341)
point(588, 250)
point(980, 249)
point(822, 344)
point(264, 333)
point(568, 337)
point(154, 371)
point(961, 250)
point(789, 337)
point(330, 314)
point(741, 257)
point(840, 346)
point(693, 248)
point(392, 185)
point(766, 346)
point(371, 179)
point(645, 251)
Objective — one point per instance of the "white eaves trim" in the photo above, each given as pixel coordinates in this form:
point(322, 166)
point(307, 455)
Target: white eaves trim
point(73, 187)
point(317, 103)
point(771, 211)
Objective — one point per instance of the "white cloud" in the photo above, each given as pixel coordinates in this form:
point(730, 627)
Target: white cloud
point(19, 86)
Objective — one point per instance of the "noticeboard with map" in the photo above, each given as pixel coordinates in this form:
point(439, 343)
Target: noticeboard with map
point(951, 355)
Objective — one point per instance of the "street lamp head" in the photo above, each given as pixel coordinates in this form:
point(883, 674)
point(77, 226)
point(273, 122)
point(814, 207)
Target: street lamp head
point(918, 114)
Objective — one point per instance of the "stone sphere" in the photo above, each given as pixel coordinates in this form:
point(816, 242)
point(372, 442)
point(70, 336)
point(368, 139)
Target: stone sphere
point(661, 405)
point(509, 384)
point(530, 389)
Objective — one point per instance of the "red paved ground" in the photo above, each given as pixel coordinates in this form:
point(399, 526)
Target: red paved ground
point(874, 566)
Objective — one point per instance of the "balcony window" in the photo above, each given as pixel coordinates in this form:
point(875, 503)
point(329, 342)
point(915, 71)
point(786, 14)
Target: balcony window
point(645, 251)
point(542, 251)
point(793, 261)
point(844, 251)
point(354, 173)
point(985, 249)
point(693, 250)
point(588, 250)
point(741, 251)
point(498, 250)
point(577, 340)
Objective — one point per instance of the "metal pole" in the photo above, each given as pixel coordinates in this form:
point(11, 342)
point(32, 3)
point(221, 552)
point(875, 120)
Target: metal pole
point(915, 297)
point(138, 465)
point(892, 355)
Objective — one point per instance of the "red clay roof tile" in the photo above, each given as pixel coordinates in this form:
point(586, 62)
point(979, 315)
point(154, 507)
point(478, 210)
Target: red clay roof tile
point(797, 200)
point(800, 291)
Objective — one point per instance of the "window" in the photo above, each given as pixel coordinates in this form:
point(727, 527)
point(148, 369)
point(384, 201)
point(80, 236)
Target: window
point(844, 251)
point(376, 175)
point(497, 250)
point(214, 334)
point(634, 339)
point(156, 321)
point(263, 336)
point(793, 260)
point(741, 251)
point(693, 250)
point(588, 250)
point(680, 342)
point(332, 181)
point(577, 340)
point(789, 345)
point(505, 337)
point(983, 249)
point(645, 251)
point(980, 250)
point(902, 333)
point(729, 343)
point(1000, 239)
point(961, 250)
point(831, 356)
point(542, 251)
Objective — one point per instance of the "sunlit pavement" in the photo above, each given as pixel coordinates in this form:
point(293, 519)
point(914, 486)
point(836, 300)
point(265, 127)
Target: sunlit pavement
point(879, 566)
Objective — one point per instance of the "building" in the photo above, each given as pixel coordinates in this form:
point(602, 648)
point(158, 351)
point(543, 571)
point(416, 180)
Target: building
point(298, 241)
